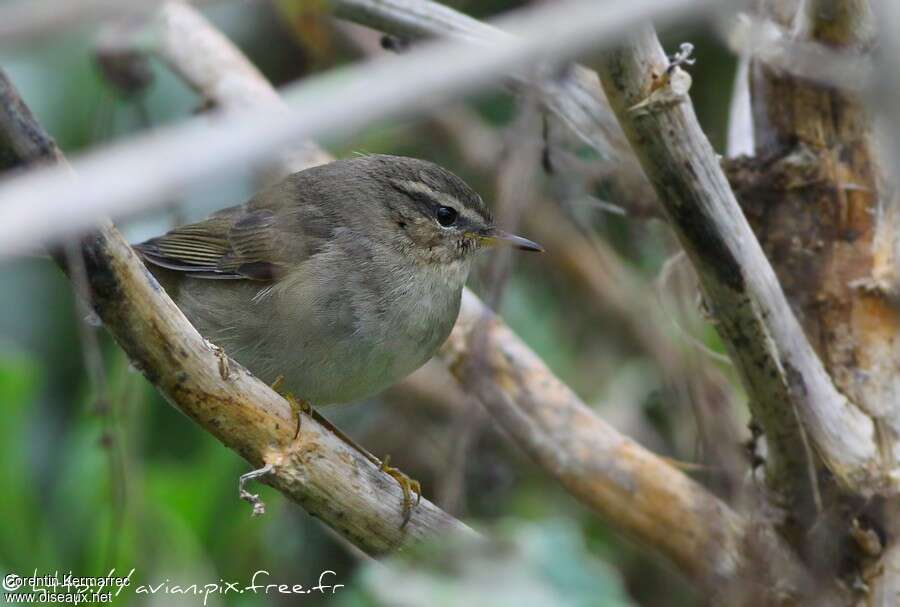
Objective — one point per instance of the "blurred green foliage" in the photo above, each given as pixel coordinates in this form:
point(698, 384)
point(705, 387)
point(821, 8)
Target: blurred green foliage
point(521, 565)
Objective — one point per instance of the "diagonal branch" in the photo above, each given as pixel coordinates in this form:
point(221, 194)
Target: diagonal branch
point(636, 490)
point(317, 470)
point(44, 205)
point(738, 561)
point(574, 96)
point(778, 366)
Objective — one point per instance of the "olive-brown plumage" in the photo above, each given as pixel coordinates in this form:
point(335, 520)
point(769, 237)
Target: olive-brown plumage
point(342, 278)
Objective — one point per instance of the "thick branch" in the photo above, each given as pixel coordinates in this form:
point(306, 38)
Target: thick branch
point(830, 225)
point(778, 366)
point(202, 56)
point(575, 96)
point(636, 490)
point(317, 470)
point(44, 204)
point(627, 484)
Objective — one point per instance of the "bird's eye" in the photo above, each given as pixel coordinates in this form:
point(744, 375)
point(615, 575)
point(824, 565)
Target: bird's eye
point(446, 216)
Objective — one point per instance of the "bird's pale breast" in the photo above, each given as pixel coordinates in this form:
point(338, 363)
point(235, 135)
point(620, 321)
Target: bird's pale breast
point(338, 331)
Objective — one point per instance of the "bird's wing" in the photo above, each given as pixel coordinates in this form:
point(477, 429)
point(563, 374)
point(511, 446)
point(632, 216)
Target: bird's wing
point(240, 242)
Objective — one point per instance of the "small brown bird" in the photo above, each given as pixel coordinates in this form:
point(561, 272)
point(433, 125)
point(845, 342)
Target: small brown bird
point(342, 279)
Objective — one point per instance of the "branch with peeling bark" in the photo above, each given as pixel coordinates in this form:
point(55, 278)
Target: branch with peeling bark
point(639, 492)
point(633, 488)
point(636, 490)
point(827, 216)
point(791, 393)
point(316, 469)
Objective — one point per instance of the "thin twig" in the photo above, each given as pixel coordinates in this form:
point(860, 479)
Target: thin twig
point(47, 204)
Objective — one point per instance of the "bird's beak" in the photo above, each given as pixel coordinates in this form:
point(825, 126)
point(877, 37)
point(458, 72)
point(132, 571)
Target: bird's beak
point(493, 237)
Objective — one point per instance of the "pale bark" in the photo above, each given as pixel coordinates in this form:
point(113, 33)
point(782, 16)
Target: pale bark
point(828, 219)
point(734, 558)
point(791, 394)
point(741, 562)
point(118, 179)
point(317, 469)
point(574, 96)
point(636, 490)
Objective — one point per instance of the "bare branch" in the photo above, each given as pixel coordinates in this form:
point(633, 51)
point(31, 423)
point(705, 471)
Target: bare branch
point(638, 491)
point(767, 41)
point(45, 204)
point(740, 115)
point(886, 263)
point(574, 96)
point(317, 470)
point(24, 21)
point(776, 362)
point(886, 270)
